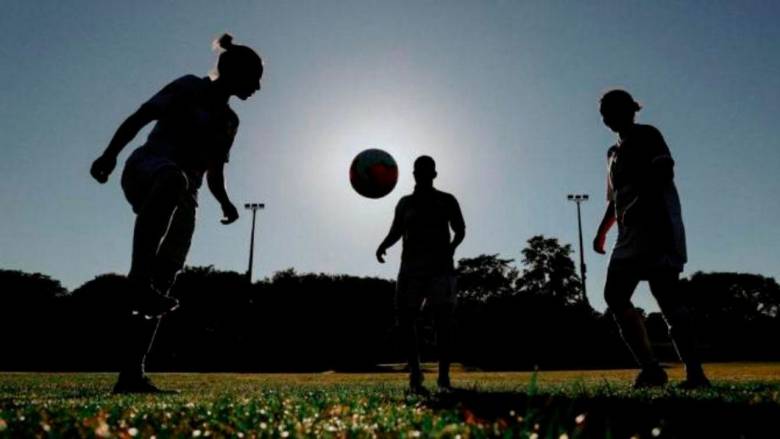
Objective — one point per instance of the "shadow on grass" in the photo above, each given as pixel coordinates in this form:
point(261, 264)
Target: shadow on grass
point(626, 414)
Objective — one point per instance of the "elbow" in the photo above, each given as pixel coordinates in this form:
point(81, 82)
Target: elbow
point(139, 119)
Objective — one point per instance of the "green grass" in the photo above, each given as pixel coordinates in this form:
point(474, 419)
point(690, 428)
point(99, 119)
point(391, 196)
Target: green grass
point(744, 401)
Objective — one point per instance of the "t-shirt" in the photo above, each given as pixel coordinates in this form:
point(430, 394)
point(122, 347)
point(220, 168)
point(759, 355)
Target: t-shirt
point(656, 237)
point(192, 130)
point(424, 218)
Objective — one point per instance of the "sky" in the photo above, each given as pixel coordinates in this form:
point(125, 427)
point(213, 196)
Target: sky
point(503, 94)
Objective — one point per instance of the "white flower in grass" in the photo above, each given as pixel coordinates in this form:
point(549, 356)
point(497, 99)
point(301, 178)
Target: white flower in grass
point(102, 430)
point(132, 431)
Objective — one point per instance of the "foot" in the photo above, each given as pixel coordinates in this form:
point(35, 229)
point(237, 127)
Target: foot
point(417, 389)
point(416, 386)
point(138, 386)
point(150, 303)
point(652, 376)
point(444, 384)
point(695, 381)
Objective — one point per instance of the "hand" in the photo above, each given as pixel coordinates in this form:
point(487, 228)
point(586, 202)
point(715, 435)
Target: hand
point(102, 168)
point(380, 254)
point(598, 243)
point(229, 212)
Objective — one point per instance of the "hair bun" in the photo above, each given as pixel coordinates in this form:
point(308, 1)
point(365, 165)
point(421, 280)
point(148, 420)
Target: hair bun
point(225, 41)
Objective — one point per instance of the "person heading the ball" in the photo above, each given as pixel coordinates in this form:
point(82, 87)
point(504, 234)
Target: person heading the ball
point(427, 275)
point(194, 131)
point(643, 200)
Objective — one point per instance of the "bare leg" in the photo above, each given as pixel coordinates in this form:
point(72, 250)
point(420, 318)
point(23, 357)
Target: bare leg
point(665, 288)
point(444, 321)
point(152, 223)
point(617, 293)
point(170, 259)
point(408, 321)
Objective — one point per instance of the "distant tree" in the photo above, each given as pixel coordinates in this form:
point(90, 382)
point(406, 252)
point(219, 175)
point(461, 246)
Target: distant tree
point(19, 286)
point(737, 314)
point(485, 277)
point(550, 271)
point(741, 295)
point(29, 319)
point(288, 274)
point(103, 287)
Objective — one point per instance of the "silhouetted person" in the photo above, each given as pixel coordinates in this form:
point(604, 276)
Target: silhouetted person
point(427, 276)
point(193, 134)
point(643, 200)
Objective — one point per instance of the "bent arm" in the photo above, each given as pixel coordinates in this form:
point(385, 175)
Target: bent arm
point(396, 231)
point(129, 129)
point(215, 179)
point(458, 225)
point(457, 239)
point(607, 221)
point(104, 165)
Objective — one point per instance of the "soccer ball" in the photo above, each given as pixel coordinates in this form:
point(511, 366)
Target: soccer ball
point(373, 173)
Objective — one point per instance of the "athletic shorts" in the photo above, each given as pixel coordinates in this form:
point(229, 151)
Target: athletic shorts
point(413, 289)
point(139, 174)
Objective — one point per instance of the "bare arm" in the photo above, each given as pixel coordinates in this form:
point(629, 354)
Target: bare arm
point(215, 178)
point(606, 223)
point(395, 233)
point(458, 225)
point(457, 239)
point(105, 164)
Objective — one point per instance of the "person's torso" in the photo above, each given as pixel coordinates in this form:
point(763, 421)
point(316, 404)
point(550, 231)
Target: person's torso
point(658, 228)
point(194, 132)
point(426, 217)
point(629, 170)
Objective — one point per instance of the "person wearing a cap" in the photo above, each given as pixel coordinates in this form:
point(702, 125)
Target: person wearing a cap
point(642, 199)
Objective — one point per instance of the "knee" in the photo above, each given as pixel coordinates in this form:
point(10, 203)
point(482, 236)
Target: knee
point(617, 304)
point(677, 318)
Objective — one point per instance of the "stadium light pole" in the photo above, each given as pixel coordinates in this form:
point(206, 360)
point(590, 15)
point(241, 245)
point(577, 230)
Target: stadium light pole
point(254, 207)
point(579, 198)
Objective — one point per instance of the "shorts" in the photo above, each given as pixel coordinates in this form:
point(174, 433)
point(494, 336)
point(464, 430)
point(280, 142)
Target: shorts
point(414, 289)
point(139, 174)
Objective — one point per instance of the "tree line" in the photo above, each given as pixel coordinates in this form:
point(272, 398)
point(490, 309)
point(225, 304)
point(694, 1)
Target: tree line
point(509, 317)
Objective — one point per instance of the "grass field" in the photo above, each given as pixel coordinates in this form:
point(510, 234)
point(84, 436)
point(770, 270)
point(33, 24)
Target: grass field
point(744, 402)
